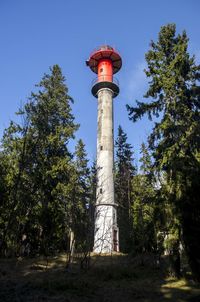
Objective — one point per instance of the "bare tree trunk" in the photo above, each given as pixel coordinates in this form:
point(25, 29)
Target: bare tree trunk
point(71, 248)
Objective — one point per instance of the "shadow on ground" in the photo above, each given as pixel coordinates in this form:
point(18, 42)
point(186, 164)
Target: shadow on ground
point(110, 279)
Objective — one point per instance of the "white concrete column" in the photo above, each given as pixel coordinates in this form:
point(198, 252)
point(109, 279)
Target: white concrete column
point(106, 231)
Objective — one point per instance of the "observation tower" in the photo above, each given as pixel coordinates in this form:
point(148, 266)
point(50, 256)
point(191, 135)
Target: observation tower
point(105, 61)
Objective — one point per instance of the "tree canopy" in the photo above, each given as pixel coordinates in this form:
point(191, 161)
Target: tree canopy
point(173, 96)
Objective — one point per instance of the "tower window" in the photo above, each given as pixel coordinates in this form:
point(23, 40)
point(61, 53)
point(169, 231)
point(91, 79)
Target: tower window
point(101, 147)
point(100, 190)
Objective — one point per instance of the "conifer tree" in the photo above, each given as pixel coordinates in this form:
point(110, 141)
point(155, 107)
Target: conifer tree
point(80, 196)
point(124, 173)
point(92, 202)
point(173, 95)
point(143, 206)
point(40, 167)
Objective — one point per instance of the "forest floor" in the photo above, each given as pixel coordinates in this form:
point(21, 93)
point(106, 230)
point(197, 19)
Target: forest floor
point(110, 278)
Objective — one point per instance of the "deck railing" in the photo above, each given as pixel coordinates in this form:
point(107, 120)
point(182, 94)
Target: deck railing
point(105, 79)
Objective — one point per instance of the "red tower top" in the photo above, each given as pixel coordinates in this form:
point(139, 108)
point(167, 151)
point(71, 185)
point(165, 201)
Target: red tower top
point(105, 61)
point(104, 52)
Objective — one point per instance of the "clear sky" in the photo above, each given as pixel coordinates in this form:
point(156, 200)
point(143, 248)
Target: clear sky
point(36, 34)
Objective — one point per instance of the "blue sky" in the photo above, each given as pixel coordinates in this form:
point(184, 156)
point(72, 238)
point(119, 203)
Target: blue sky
point(37, 34)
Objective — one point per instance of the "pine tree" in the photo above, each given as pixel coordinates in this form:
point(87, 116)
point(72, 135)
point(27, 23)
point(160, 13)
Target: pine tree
point(175, 140)
point(124, 173)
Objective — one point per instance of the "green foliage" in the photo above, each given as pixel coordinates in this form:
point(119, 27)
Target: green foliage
point(144, 208)
point(173, 96)
point(123, 186)
point(80, 198)
point(39, 168)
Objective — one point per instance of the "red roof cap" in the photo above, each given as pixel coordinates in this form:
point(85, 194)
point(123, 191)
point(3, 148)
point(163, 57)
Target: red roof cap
point(104, 52)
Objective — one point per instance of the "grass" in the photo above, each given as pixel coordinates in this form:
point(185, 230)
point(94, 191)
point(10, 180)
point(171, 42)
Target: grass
point(115, 278)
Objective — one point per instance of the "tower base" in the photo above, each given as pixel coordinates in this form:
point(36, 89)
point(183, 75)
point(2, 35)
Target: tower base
point(106, 237)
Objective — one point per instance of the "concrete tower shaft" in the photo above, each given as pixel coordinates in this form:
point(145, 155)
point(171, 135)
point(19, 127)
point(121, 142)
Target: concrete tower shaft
point(105, 220)
point(105, 61)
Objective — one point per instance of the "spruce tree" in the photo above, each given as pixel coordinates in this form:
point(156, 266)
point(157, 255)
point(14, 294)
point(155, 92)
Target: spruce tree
point(80, 197)
point(92, 201)
point(123, 182)
point(144, 206)
point(173, 96)
point(40, 167)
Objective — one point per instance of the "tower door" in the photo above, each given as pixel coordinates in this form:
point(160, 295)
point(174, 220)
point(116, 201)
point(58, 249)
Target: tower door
point(115, 241)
